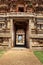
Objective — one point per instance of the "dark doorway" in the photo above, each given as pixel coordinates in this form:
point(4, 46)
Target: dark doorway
point(21, 9)
point(21, 33)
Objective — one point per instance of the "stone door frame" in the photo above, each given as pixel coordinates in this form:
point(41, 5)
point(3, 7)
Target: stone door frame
point(28, 32)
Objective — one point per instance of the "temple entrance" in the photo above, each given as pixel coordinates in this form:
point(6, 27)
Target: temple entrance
point(21, 37)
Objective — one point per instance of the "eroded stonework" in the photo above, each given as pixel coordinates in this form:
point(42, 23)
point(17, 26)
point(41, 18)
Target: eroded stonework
point(21, 24)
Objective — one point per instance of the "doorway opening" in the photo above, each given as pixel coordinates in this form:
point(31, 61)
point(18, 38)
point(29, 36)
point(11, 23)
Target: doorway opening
point(21, 34)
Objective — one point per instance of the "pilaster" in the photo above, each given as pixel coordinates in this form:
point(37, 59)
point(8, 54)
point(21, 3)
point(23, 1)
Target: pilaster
point(30, 40)
point(12, 33)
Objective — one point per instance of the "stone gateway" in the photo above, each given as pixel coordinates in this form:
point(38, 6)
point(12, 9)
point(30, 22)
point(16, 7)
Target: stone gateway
point(21, 24)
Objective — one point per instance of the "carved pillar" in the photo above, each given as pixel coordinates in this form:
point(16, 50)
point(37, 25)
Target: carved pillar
point(30, 40)
point(12, 33)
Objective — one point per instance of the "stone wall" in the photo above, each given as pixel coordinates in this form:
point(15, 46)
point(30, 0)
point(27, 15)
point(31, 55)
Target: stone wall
point(37, 44)
point(33, 39)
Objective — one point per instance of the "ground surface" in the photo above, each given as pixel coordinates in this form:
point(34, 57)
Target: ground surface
point(19, 56)
point(39, 55)
point(2, 52)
